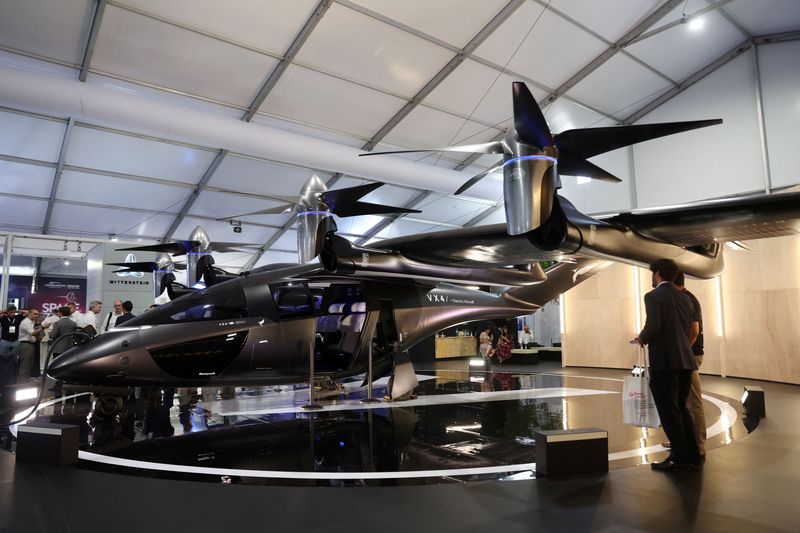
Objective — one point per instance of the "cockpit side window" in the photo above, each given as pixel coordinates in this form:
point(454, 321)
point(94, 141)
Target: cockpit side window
point(217, 303)
point(293, 300)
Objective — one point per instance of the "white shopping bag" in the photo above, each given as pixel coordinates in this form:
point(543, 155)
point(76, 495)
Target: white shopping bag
point(638, 406)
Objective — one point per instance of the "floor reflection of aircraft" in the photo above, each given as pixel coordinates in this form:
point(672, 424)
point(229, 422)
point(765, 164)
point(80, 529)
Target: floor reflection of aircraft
point(260, 328)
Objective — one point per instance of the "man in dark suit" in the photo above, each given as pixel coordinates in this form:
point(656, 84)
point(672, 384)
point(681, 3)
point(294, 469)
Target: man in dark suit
point(667, 332)
point(127, 307)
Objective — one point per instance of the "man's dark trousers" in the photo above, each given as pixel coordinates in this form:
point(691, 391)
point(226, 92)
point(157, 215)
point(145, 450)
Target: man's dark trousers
point(670, 391)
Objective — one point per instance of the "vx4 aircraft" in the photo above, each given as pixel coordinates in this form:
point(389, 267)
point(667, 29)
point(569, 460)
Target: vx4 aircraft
point(262, 327)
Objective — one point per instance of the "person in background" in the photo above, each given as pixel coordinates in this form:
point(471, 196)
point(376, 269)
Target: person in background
point(61, 337)
point(9, 338)
point(90, 317)
point(30, 333)
point(695, 401)
point(526, 338)
point(111, 320)
point(667, 332)
point(504, 345)
point(485, 340)
point(75, 315)
point(127, 307)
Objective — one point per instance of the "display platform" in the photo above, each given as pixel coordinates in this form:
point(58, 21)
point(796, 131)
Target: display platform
point(462, 426)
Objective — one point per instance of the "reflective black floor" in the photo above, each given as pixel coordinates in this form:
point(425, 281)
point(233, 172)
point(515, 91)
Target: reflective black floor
point(463, 426)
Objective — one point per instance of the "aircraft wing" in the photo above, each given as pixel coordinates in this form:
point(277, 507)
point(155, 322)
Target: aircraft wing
point(734, 219)
point(731, 219)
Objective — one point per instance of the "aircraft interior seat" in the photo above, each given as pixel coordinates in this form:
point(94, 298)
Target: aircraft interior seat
point(351, 326)
point(330, 323)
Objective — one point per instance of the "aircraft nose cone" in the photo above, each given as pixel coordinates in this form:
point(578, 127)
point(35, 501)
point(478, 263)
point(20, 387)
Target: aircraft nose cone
point(68, 364)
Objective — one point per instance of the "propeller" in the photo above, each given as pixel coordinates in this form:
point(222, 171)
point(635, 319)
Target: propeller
point(530, 136)
point(147, 266)
point(184, 247)
point(341, 202)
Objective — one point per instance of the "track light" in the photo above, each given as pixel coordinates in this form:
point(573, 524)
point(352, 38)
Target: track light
point(113, 237)
point(66, 262)
point(65, 246)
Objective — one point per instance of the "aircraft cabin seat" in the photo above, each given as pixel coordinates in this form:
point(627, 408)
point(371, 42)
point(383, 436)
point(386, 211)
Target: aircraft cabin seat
point(351, 326)
point(330, 323)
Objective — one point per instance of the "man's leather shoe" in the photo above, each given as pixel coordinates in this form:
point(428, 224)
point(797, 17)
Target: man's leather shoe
point(667, 466)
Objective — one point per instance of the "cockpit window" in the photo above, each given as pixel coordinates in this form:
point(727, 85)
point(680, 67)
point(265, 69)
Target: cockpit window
point(293, 300)
point(206, 304)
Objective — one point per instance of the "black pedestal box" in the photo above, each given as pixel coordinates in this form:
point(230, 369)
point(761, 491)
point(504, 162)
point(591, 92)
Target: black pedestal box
point(47, 444)
point(571, 451)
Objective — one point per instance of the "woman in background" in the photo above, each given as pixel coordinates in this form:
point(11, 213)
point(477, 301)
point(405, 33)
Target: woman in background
point(504, 345)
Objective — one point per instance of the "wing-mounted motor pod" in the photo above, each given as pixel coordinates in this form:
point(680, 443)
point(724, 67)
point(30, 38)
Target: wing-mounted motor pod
point(338, 255)
point(533, 157)
point(314, 207)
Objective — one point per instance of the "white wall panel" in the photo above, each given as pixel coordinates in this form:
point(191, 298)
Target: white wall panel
point(619, 86)
point(780, 84)
point(357, 225)
point(220, 205)
point(600, 196)
point(453, 21)
point(393, 60)
point(425, 127)
point(609, 18)
point(103, 150)
point(105, 190)
point(680, 51)
point(30, 180)
point(68, 218)
point(326, 101)
point(33, 138)
point(550, 54)
point(475, 90)
point(271, 257)
point(710, 162)
point(57, 30)
point(244, 174)
point(22, 212)
point(287, 241)
point(270, 27)
point(148, 50)
point(766, 16)
point(563, 115)
point(449, 209)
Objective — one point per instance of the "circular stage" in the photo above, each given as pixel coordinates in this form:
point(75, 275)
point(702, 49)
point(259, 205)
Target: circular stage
point(462, 426)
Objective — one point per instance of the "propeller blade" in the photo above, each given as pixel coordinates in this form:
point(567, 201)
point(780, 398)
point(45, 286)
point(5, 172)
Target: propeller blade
point(583, 168)
point(345, 202)
point(529, 121)
point(173, 248)
point(495, 147)
point(589, 142)
point(233, 246)
point(139, 266)
point(277, 210)
point(348, 195)
point(365, 208)
point(478, 177)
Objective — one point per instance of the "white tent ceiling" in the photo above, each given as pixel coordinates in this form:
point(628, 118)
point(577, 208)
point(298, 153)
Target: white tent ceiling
point(361, 73)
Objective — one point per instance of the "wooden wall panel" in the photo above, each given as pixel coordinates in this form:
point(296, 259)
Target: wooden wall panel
point(760, 295)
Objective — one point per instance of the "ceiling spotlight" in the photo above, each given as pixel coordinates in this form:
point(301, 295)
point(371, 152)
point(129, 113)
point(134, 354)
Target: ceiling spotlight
point(79, 246)
point(113, 237)
point(696, 23)
point(65, 246)
point(66, 262)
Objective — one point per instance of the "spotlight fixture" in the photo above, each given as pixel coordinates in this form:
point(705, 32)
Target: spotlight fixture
point(237, 226)
point(66, 262)
point(113, 237)
point(79, 246)
point(65, 246)
point(753, 401)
